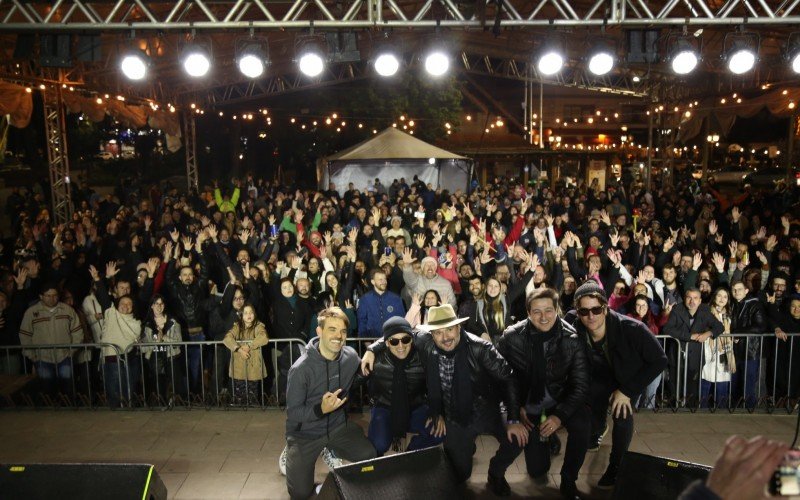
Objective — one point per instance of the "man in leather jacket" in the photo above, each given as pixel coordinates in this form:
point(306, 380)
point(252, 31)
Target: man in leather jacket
point(747, 316)
point(624, 358)
point(550, 366)
point(463, 374)
point(397, 389)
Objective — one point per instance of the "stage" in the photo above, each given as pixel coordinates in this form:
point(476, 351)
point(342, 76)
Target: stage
point(234, 454)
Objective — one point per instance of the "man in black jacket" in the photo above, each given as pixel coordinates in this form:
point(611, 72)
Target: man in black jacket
point(624, 358)
point(691, 322)
point(463, 374)
point(550, 367)
point(747, 317)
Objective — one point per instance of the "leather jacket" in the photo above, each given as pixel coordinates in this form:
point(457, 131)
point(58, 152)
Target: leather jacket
point(489, 372)
point(747, 316)
point(190, 302)
point(567, 372)
point(382, 378)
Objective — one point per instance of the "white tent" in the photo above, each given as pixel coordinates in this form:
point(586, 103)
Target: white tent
point(393, 154)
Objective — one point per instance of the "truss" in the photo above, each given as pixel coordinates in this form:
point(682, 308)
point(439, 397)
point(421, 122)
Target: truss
point(190, 149)
point(58, 162)
point(215, 15)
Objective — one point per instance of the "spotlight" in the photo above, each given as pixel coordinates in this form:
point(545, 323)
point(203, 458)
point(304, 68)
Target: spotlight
point(251, 57)
point(601, 61)
point(387, 63)
point(550, 62)
point(437, 62)
point(311, 60)
point(134, 65)
point(742, 52)
point(196, 60)
point(684, 57)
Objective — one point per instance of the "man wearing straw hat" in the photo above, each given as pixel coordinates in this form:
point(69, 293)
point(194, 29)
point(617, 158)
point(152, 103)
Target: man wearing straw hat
point(463, 374)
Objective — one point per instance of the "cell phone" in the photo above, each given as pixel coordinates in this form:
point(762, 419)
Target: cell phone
point(387, 251)
point(443, 259)
point(419, 215)
point(786, 480)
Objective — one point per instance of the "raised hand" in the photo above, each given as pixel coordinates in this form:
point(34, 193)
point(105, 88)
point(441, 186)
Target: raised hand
point(408, 257)
point(613, 257)
point(22, 276)
point(697, 261)
point(148, 221)
point(605, 218)
point(111, 269)
point(352, 236)
point(712, 227)
point(762, 257)
point(415, 299)
point(771, 243)
point(732, 247)
point(614, 239)
point(668, 244)
point(668, 307)
point(771, 298)
point(485, 257)
point(174, 234)
point(298, 216)
point(152, 266)
point(167, 251)
point(736, 214)
point(213, 232)
point(419, 240)
point(719, 261)
point(761, 234)
point(533, 261)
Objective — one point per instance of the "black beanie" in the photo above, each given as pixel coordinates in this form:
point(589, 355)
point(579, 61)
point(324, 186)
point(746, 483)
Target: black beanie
point(395, 325)
point(587, 288)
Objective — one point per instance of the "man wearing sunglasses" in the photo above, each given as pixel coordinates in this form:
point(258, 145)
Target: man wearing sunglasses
point(397, 389)
point(624, 357)
point(463, 374)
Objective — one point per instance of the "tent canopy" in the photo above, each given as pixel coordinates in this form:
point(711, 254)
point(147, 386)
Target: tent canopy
point(392, 144)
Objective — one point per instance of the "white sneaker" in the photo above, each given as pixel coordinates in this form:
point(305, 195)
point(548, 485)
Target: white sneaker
point(282, 462)
point(330, 459)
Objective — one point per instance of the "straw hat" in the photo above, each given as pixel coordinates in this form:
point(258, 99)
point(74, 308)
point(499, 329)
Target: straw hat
point(441, 317)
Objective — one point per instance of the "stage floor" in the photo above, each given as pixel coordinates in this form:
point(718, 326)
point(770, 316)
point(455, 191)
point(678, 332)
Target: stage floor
point(233, 454)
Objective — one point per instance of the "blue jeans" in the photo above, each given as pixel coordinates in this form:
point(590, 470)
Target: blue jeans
point(380, 431)
point(195, 355)
point(121, 380)
point(648, 397)
point(55, 376)
point(745, 381)
point(720, 393)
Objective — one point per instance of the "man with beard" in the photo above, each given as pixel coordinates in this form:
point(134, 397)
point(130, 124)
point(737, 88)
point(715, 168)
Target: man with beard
point(747, 317)
point(377, 306)
point(464, 375)
point(691, 322)
point(428, 279)
point(551, 371)
point(319, 382)
point(468, 305)
point(773, 299)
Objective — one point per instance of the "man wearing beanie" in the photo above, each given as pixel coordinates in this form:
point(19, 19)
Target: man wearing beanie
point(550, 367)
point(624, 357)
point(427, 279)
point(397, 390)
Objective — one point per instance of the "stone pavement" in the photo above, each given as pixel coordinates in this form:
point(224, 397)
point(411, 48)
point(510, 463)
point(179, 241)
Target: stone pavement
point(233, 454)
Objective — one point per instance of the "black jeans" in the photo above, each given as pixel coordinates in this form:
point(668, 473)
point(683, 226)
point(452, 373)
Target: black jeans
point(537, 454)
point(622, 433)
point(459, 441)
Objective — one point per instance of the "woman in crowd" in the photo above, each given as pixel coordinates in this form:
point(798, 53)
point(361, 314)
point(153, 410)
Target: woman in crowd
point(719, 361)
point(641, 311)
point(418, 312)
point(163, 368)
point(247, 367)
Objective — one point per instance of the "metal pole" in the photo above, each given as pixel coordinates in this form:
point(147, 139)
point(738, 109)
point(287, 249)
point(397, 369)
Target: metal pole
point(790, 148)
point(649, 167)
point(706, 146)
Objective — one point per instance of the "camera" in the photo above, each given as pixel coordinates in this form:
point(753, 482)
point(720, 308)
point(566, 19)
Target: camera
point(786, 480)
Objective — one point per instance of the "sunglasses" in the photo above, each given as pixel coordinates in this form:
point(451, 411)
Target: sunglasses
point(596, 311)
point(396, 342)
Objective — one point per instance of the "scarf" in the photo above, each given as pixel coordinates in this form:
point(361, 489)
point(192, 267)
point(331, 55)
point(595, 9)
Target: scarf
point(461, 389)
point(401, 413)
point(537, 341)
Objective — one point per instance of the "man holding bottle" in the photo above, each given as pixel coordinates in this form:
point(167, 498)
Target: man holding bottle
point(550, 365)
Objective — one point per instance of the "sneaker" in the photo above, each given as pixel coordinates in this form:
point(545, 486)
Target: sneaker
point(331, 460)
point(569, 490)
point(282, 462)
point(555, 445)
point(609, 479)
point(597, 439)
point(498, 485)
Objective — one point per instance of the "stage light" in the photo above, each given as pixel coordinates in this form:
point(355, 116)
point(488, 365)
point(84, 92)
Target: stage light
point(601, 61)
point(134, 65)
point(386, 64)
point(437, 62)
point(685, 57)
point(251, 57)
point(741, 60)
point(312, 60)
point(196, 60)
point(550, 63)
point(793, 51)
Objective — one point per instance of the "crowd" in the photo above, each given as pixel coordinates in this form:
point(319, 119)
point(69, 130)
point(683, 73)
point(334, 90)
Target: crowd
point(252, 260)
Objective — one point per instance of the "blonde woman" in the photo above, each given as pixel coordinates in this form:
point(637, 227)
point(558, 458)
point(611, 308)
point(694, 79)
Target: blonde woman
point(247, 368)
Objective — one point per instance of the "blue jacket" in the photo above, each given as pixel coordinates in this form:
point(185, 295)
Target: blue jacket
point(374, 309)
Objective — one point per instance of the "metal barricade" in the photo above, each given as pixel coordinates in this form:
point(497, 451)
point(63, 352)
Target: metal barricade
point(62, 375)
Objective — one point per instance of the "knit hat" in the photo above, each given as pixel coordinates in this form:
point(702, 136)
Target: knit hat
point(429, 259)
point(395, 325)
point(589, 287)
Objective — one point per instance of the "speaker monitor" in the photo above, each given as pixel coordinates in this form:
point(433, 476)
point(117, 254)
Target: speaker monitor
point(81, 481)
point(54, 51)
point(655, 478)
point(415, 475)
point(23, 47)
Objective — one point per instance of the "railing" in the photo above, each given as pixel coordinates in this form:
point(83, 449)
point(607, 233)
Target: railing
point(162, 375)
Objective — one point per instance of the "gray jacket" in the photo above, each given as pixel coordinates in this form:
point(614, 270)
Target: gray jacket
point(310, 377)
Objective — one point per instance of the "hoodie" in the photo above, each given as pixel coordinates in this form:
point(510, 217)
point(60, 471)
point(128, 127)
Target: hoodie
point(310, 377)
